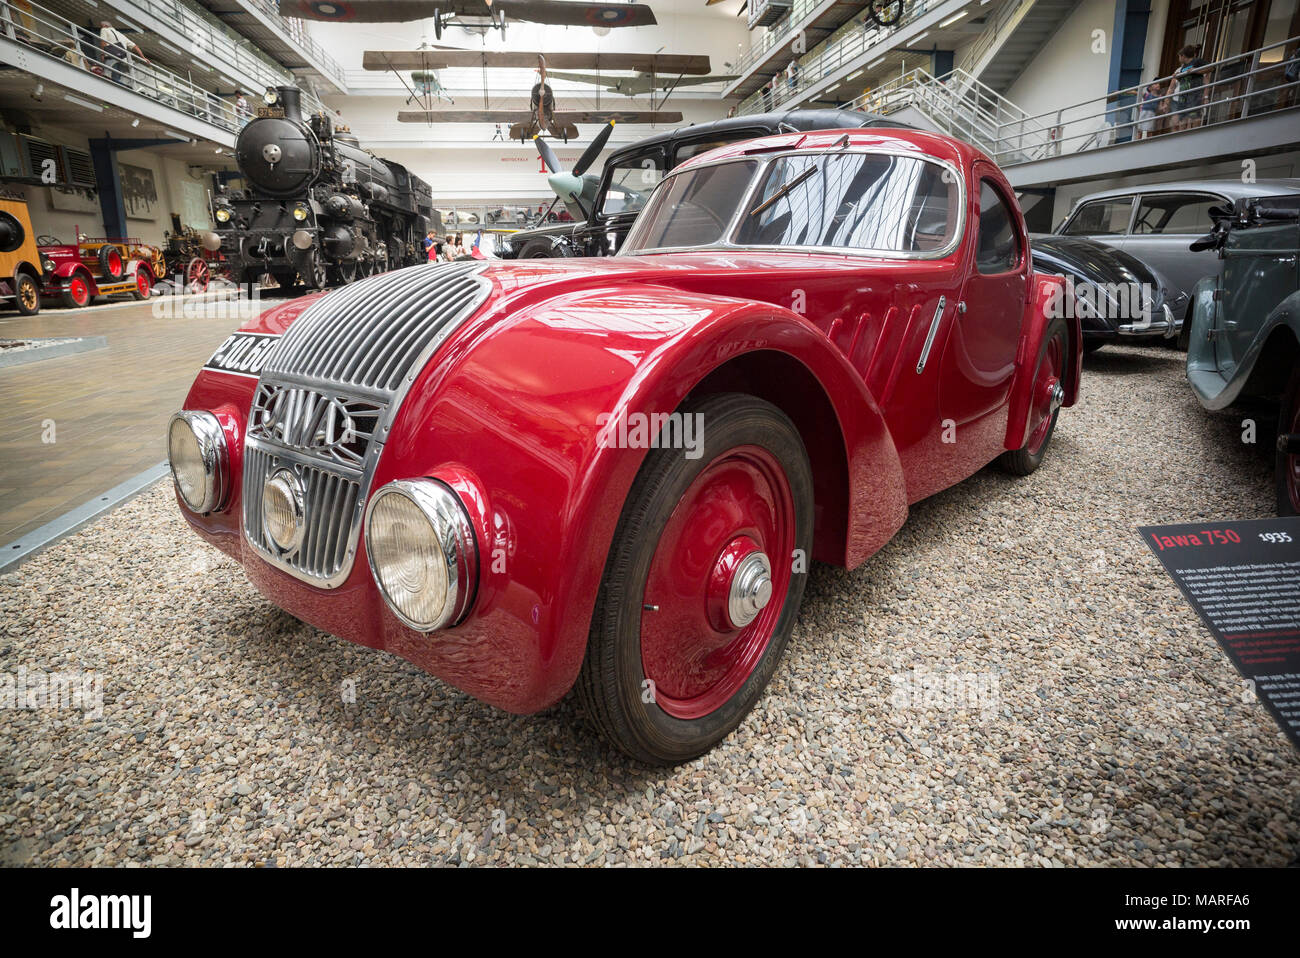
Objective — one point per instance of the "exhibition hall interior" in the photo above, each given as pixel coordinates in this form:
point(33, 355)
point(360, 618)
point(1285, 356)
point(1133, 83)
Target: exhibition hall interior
point(666, 433)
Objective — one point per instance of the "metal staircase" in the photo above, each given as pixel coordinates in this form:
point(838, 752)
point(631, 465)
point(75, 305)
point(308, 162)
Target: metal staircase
point(1017, 35)
point(960, 105)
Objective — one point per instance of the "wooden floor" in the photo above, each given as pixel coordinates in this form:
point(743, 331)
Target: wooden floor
point(109, 407)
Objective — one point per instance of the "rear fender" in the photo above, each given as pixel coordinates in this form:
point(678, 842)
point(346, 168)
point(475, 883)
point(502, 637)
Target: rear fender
point(1046, 303)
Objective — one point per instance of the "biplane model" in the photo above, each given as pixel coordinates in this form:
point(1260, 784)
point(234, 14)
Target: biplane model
point(541, 118)
point(641, 84)
point(472, 14)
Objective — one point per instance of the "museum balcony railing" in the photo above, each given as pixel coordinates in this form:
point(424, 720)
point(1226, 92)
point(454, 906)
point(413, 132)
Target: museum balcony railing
point(296, 32)
point(836, 54)
point(206, 42)
point(1249, 85)
point(34, 28)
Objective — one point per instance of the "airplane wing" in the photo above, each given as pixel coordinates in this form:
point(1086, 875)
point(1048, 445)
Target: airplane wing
point(561, 12)
point(661, 63)
point(637, 85)
point(604, 116)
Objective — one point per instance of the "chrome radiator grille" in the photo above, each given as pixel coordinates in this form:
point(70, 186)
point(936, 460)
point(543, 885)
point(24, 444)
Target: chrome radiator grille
point(349, 339)
point(327, 395)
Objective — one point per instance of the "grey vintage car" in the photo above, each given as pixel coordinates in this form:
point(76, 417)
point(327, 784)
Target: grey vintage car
point(1158, 222)
point(1244, 336)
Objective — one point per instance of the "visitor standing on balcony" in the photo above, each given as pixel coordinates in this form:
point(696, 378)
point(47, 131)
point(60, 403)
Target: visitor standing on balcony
point(1148, 106)
point(117, 53)
point(242, 112)
point(1188, 90)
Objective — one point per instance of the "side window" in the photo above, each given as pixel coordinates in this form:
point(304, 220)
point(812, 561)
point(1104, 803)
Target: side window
point(1101, 218)
point(1178, 213)
point(999, 239)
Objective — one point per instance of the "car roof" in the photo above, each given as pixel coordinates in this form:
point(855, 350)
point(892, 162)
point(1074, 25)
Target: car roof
point(1232, 189)
point(769, 122)
point(920, 142)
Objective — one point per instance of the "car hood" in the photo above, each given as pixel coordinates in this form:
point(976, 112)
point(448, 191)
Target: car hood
point(1096, 263)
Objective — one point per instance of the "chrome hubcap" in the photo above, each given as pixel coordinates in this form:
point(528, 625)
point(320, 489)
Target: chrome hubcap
point(1056, 397)
point(750, 590)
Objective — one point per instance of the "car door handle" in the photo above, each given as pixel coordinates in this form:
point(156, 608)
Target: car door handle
point(929, 337)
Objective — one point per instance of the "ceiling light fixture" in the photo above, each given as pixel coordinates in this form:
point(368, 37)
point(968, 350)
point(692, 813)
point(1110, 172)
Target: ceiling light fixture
point(136, 121)
point(98, 108)
point(953, 19)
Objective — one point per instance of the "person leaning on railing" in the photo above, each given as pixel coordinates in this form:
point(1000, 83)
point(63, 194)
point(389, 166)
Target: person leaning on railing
point(1187, 87)
point(117, 53)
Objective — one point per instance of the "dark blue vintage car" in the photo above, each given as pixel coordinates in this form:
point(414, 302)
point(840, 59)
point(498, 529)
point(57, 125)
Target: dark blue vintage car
point(1244, 340)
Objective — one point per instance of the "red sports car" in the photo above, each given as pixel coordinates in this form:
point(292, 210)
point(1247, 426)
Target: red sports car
point(611, 473)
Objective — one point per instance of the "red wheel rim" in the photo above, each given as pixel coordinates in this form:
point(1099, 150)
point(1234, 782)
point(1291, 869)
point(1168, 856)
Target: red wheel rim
point(739, 504)
point(198, 276)
point(79, 291)
point(142, 283)
point(1046, 397)
point(1292, 462)
point(114, 262)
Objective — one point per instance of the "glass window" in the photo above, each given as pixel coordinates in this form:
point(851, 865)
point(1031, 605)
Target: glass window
point(1174, 213)
point(694, 208)
point(631, 184)
point(1101, 218)
point(867, 201)
point(688, 150)
point(999, 234)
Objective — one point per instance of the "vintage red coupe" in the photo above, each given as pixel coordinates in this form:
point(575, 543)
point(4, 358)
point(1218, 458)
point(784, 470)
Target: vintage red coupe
point(611, 473)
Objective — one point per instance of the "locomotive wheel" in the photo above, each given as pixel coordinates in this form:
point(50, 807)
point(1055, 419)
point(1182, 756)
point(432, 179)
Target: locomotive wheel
point(76, 291)
point(700, 591)
point(197, 275)
point(27, 295)
point(143, 282)
point(314, 274)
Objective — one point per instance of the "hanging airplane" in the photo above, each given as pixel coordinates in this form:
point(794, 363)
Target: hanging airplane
point(575, 188)
point(472, 14)
point(541, 117)
point(641, 84)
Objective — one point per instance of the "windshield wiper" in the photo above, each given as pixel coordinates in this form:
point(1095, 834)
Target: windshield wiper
point(783, 191)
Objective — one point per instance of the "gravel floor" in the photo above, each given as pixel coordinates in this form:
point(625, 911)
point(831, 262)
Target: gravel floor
point(1012, 680)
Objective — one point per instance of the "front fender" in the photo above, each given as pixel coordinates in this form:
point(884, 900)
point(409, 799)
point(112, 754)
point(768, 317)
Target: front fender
point(512, 413)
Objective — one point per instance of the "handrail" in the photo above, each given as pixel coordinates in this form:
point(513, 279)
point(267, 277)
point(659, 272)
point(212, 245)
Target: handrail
point(296, 29)
point(52, 35)
point(849, 41)
point(1239, 86)
point(214, 37)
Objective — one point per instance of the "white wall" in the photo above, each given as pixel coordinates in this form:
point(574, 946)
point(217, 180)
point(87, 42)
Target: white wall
point(1066, 71)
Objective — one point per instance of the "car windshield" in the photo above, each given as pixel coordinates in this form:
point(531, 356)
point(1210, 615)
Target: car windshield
point(693, 208)
point(631, 184)
point(865, 201)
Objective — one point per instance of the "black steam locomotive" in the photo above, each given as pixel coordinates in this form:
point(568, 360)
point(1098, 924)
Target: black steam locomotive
point(316, 209)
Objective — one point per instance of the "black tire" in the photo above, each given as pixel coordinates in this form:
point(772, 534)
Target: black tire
point(610, 685)
point(66, 292)
point(109, 254)
point(1023, 461)
point(27, 295)
point(1288, 420)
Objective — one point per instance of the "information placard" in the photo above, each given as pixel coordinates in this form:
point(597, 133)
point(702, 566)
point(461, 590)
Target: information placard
point(1243, 580)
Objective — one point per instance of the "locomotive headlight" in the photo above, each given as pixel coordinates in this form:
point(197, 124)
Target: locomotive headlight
point(300, 212)
point(200, 464)
point(422, 552)
point(223, 214)
point(270, 97)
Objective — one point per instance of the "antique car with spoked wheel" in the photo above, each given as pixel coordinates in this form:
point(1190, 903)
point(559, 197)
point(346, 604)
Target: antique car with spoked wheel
point(20, 260)
point(78, 273)
point(611, 474)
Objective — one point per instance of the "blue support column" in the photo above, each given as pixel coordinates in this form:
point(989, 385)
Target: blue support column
point(108, 182)
point(941, 63)
point(1128, 43)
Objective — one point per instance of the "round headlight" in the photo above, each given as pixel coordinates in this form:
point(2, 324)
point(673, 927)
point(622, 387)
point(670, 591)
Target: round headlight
point(223, 214)
point(47, 265)
point(283, 510)
point(422, 552)
point(270, 96)
point(196, 451)
point(300, 212)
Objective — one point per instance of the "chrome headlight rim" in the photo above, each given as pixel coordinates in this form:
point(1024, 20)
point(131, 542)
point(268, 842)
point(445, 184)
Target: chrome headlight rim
point(222, 214)
point(301, 212)
point(213, 454)
point(454, 533)
point(295, 496)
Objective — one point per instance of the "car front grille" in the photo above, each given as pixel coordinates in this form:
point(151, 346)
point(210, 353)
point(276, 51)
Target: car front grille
point(327, 395)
